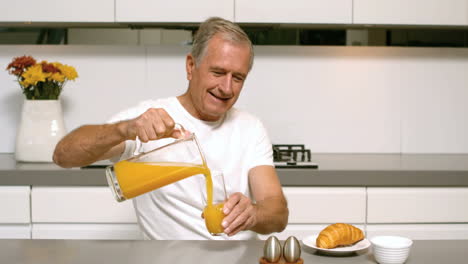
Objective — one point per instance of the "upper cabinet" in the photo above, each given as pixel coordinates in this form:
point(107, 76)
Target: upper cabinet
point(58, 11)
point(142, 11)
point(320, 12)
point(413, 12)
point(294, 11)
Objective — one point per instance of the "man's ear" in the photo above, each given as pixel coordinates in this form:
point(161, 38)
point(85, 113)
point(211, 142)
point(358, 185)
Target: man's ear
point(189, 66)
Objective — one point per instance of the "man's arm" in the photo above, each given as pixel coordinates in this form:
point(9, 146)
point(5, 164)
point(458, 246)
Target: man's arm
point(271, 205)
point(91, 143)
point(270, 212)
point(88, 144)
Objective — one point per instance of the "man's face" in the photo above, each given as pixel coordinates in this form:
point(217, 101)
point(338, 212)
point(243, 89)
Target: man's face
point(216, 83)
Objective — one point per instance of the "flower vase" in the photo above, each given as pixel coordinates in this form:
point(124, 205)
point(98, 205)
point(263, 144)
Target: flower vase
point(40, 129)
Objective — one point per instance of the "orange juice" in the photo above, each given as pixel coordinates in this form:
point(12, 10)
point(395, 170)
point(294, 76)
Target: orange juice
point(214, 217)
point(136, 178)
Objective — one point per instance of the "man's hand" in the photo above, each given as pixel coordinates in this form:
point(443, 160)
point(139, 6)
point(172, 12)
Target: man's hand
point(240, 214)
point(153, 124)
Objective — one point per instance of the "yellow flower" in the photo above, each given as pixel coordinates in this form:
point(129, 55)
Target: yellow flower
point(57, 77)
point(33, 75)
point(68, 71)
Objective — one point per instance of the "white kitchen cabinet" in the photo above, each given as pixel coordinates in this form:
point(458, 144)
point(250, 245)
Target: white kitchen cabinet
point(15, 212)
point(294, 11)
point(172, 11)
point(414, 12)
point(420, 231)
point(418, 213)
point(81, 213)
point(58, 11)
point(87, 231)
point(311, 209)
point(300, 231)
point(318, 205)
point(417, 205)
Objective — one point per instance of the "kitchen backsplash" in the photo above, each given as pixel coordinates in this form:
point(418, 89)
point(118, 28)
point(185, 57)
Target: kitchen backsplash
point(333, 99)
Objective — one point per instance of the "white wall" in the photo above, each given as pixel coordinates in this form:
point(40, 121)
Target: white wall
point(333, 99)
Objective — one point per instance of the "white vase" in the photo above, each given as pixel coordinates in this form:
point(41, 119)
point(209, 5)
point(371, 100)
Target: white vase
point(40, 129)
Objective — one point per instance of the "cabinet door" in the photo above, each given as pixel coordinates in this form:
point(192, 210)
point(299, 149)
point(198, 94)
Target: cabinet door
point(14, 205)
point(86, 231)
point(294, 11)
point(15, 219)
point(414, 12)
point(312, 205)
point(420, 231)
point(172, 11)
point(417, 205)
point(58, 11)
point(79, 205)
point(301, 231)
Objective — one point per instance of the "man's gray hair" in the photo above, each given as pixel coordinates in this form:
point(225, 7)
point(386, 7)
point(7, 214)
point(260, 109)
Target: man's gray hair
point(229, 31)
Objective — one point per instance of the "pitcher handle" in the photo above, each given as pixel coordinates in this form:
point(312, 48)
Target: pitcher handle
point(181, 128)
point(177, 126)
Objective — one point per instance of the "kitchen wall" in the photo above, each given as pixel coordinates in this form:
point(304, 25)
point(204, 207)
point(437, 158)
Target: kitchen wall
point(333, 99)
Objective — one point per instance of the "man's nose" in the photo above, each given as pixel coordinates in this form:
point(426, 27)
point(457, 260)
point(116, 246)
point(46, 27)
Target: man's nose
point(226, 86)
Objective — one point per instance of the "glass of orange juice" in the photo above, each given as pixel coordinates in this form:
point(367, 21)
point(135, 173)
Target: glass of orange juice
point(213, 196)
point(156, 168)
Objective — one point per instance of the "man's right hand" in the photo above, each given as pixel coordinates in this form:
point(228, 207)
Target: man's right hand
point(153, 124)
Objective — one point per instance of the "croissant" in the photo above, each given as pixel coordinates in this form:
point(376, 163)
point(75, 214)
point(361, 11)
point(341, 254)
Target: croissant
point(339, 235)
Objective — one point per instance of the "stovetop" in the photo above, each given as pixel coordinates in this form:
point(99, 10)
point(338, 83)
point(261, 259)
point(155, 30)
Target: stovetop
point(292, 156)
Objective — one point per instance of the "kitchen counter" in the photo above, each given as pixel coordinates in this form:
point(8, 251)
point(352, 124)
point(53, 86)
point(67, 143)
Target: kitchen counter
point(334, 170)
point(186, 252)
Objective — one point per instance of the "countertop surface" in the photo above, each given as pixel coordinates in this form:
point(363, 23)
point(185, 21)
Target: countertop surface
point(185, 252)
point(334, 170)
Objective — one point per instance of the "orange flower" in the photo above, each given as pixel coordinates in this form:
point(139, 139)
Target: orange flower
point(49, 67)
point(19, 64)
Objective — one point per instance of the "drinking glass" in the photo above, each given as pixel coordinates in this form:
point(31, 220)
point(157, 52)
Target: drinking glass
point(213, 209)
point(159, 167)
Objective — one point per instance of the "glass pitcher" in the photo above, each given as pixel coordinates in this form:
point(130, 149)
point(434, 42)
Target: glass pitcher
point(156, 168)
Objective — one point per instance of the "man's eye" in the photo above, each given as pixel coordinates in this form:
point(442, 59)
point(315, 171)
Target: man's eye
point(238, 79)
point(217, 73)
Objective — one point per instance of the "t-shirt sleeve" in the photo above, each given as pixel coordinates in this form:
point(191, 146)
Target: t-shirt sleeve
point(261, 151)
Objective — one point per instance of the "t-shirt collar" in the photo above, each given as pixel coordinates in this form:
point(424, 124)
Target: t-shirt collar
point(211, 124)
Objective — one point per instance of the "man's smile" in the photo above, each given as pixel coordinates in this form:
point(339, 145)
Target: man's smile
point(218, 97)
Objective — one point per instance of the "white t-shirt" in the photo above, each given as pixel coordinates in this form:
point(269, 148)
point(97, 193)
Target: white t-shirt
point(234, 145)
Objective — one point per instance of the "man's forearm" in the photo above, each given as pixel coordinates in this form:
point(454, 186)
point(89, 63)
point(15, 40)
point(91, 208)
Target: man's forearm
point(87, 144)
point(272, 215)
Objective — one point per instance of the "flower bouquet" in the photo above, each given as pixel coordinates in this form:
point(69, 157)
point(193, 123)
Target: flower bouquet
point(43, 80)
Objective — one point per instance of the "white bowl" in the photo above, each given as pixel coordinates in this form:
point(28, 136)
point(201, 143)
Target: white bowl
point(391, 249)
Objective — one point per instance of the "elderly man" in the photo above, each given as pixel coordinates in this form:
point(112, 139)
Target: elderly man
point(233, 141)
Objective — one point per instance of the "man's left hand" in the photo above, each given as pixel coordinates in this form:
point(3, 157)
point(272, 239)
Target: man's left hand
point(240, 214)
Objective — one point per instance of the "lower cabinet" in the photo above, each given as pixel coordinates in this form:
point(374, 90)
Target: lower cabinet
point(417, 205)
point(81, 213)
point(92, 212)
point(418, 212)
point(313, 208)
point(418, 231)
point(105, 231)
point(421, 213)
point(15, 214)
